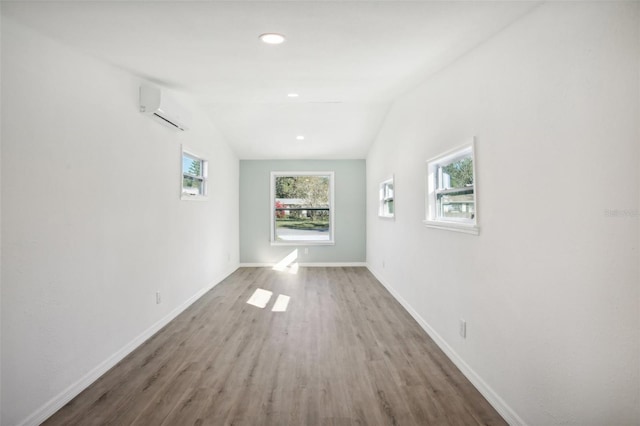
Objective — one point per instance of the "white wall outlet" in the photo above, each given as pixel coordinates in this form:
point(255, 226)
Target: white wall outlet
point(383, 264)
point(158, 298)
point(228, 257)
point(463, 328)
point(306, 250)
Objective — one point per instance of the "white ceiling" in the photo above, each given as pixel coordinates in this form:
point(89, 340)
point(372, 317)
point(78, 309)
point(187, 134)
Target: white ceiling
point(348, 60)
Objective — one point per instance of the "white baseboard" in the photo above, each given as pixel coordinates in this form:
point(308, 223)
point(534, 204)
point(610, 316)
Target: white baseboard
point(59, 401)
point(490, 395)
point(311, 264)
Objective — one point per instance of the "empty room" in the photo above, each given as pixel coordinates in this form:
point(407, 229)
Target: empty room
point(319, 213)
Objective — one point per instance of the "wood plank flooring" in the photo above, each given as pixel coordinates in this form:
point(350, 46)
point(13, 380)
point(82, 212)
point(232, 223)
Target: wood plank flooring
point(343, 353)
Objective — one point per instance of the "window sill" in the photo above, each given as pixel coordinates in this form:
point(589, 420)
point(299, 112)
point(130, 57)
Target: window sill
point(194, 197)
point(452, 226)
point(303, 243)
point(382, 216)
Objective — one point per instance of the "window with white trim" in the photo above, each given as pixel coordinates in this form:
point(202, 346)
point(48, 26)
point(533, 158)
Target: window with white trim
point(194, 176)
point(451, 193)
point(302, 208)
point(386, 196)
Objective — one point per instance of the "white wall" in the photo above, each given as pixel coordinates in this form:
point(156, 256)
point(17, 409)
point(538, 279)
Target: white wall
point(550, 287)
point(92, 221)
point(0, 216)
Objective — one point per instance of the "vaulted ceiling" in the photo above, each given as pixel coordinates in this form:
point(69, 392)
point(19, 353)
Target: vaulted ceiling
point(346, 60)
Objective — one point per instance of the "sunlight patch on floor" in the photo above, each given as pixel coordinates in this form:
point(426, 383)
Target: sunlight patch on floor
point(281, 303)
point(260, 298)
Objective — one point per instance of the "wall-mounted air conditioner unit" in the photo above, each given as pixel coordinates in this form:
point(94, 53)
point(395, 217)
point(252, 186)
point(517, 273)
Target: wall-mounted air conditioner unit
point(155, 103)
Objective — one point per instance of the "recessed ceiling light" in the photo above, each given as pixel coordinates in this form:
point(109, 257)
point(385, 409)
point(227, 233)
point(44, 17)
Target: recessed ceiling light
point(300, 137)
point(292, 95)
point(272, 38)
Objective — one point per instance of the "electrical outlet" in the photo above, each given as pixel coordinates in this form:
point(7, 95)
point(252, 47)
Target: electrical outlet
point(383, 264)
point(463, 328)
point(306, 250)
point(158, 298)
point(228, 257)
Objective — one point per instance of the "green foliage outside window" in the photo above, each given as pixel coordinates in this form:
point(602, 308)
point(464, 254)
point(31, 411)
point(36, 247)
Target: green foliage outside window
point(195, 168)
point(314, 190)
point(461, 172)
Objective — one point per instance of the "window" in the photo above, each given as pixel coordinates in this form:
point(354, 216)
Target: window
point(302, 208)
point(451, 193)
point(387, 206)
point(194, 176)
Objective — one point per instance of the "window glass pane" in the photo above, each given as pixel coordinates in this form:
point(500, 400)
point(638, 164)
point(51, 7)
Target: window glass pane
point(192, 186)
point(302, 211)
point(451, 191)
point(388, 191)
point(456, 206)
point(458, 174)
point(386, 199)
point(388, 207)
point(191, 165)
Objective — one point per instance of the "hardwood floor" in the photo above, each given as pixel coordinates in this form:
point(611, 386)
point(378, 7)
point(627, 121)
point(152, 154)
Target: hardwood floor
point(344, 352)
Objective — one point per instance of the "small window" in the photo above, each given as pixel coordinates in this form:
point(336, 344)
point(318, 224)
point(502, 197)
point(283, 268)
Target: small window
point(451, 193)
point(301, 208)
point(387, 205)
point(194, 176)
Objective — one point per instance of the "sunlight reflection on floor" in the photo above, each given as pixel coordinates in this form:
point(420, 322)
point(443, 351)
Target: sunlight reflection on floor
point(260, 298)
point(287, 264)
point(281, 303)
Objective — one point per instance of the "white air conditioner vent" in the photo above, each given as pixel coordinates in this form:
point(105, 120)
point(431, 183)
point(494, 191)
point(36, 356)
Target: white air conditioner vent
point(159, 106)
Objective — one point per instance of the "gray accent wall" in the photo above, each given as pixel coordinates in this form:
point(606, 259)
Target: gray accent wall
point(349, 209)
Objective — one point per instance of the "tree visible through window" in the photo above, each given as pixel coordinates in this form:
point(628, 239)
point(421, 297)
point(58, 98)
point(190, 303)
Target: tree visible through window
point(302, 207)
point(451, 195)
point(454, 194)
point(194, 176)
